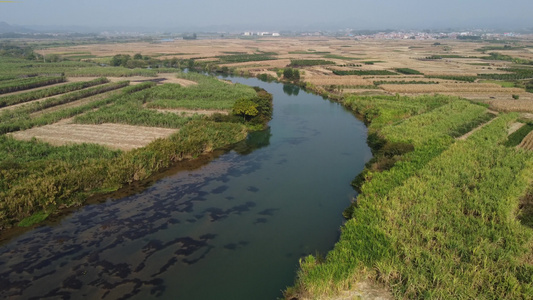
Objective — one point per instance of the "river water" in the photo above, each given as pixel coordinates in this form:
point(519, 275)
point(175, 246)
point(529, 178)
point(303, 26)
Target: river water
point(234, 228)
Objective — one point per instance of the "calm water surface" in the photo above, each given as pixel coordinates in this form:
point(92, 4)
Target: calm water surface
point(232, 229)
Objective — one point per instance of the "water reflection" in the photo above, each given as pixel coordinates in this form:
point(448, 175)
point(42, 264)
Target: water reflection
point(291, 89)
point(255, 140)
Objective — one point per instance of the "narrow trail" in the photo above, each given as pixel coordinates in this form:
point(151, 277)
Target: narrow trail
point(466, 135)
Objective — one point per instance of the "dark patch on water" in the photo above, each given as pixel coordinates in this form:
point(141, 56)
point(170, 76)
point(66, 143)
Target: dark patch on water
point(260, 221)
point(220, 189)
point(268, 211)
point(252, 189)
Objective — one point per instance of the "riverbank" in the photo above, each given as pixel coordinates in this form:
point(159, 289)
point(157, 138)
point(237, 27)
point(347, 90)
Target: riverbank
point(436, 217)
point(39, 180)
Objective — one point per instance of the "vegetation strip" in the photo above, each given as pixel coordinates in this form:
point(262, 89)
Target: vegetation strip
point(33, 95)
point(28, 83)
point(441, 221)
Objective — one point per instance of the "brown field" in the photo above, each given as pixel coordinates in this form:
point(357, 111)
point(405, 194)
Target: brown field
point(478, 88)
point(527, 142)
point(116, 136)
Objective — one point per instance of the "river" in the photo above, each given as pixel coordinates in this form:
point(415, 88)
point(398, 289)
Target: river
point(234, 228)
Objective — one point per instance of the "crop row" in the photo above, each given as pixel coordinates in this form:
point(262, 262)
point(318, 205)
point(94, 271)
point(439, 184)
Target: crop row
point(363, 72)
point(42, 93)
point(19, 119)
point(310, 62)
point(28, 83)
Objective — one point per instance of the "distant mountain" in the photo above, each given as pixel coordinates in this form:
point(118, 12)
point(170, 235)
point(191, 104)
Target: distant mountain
point(6, 28)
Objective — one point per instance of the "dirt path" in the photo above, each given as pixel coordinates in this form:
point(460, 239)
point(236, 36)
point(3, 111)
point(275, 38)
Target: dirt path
point(115, 136)
point(362, 290)
point(465, 136)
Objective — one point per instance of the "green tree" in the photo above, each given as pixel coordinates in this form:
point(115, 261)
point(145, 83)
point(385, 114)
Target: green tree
point(245, 107)
point(138, 56)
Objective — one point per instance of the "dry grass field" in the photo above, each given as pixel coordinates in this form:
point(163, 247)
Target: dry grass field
point(458, 59)
point(527, 142)
point(115, 136)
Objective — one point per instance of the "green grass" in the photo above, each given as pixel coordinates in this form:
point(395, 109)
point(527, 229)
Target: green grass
point(508, 84)
point(209, 93)
point(445, 228)
point(408, 71)
point(515, 138)
point(454, 77)
point(309, 62)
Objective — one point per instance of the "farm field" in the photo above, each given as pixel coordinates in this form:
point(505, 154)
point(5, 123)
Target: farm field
point(440, 205)
point(124, 127)
point(466, 69)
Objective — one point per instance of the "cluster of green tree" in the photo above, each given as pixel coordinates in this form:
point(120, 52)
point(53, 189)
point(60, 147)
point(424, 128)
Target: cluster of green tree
point(257, 110)
point(291, 74)
point(363, 72)
point(52, 91)
point(442, 221)
point(408, 71)
point(14, 85)
point(309, 62)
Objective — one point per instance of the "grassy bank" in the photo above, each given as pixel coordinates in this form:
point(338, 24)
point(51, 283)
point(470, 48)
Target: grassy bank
point(38, 179)
point(436, 217)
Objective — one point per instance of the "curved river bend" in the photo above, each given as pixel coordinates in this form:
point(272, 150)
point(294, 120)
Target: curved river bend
point(232, 229)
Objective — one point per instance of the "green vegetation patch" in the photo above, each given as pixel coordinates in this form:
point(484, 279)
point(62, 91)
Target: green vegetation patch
point(52, 91)
point(236, 58)
point(507, 84)
point(209, 93)
point(408, 71)
point(454, 77)
point(363, 72)
point(310, 62)
point(452, 119)
point(380, 82)
point(515, 138)
point(20, 84)
point(514, 74)
point(446, 228)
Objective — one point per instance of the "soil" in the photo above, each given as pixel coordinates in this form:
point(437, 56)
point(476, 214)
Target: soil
point(115, 136)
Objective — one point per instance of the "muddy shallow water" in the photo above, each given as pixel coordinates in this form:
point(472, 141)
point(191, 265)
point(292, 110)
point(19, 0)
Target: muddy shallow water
point(234, 228)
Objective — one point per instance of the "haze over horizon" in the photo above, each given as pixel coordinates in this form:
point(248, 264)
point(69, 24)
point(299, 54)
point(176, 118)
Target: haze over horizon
point(272, 15)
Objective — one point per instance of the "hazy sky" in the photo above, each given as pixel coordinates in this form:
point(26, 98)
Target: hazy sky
point(275, 14)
